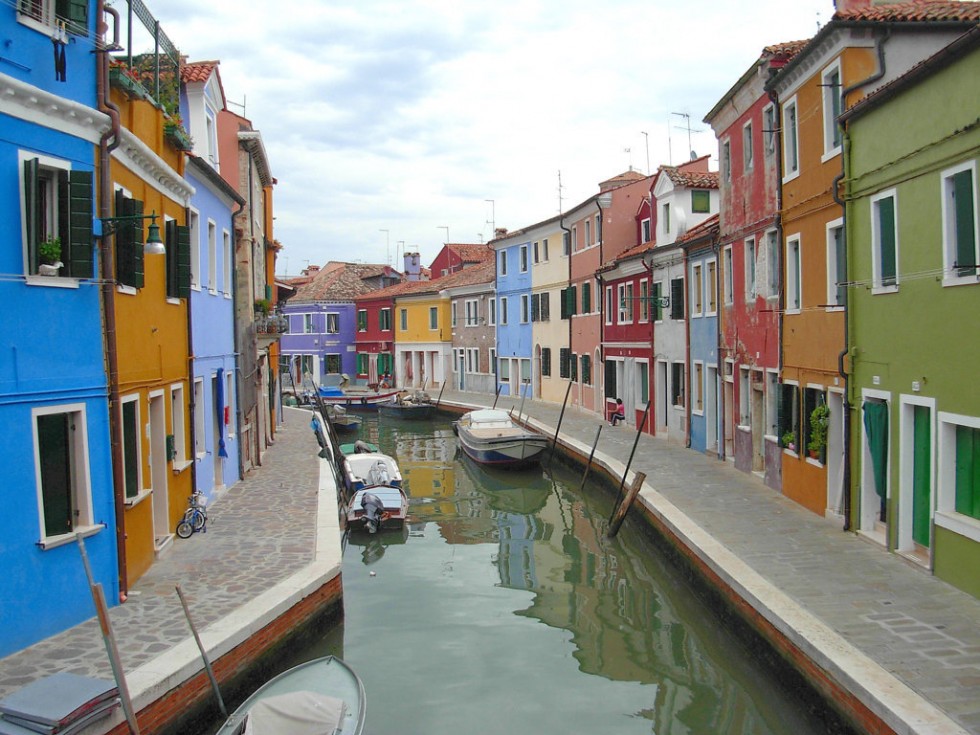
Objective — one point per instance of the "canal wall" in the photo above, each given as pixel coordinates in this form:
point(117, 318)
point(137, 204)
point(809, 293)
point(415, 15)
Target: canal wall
point(847, 681)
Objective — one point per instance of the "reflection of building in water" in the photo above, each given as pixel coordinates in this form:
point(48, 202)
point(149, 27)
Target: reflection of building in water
point(515, 559)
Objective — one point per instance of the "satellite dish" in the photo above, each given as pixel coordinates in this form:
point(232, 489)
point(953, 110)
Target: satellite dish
point(694, 156)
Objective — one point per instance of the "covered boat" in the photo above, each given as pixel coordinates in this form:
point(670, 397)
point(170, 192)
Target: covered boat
point(321, 696)
point(370, 468)
point(491, 436)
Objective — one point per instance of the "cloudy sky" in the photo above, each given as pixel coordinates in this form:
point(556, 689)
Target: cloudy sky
point(409, 115)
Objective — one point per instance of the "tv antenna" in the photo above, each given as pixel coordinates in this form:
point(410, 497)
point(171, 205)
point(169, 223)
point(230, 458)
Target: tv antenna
point(689, 129)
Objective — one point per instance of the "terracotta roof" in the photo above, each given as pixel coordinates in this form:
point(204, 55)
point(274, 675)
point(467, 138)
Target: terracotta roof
point(471, 253)
point(627, 177)
point(197, 71)
point(635, 250)
point(691, 179)
point(785, 50)
point(481, 273)
point(338, 281)
point(920, 11)
point(702, 230)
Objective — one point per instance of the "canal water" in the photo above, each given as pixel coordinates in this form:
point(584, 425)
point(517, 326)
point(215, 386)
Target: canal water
point(503, 608)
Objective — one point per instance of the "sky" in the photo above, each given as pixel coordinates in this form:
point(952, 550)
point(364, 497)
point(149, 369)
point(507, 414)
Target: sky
point(399, 125)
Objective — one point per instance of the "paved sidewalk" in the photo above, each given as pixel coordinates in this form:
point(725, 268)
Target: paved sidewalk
point(261, 531)
point(849, 603)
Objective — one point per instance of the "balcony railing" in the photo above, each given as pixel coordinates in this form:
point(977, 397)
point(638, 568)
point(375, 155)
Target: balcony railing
point(271, 324)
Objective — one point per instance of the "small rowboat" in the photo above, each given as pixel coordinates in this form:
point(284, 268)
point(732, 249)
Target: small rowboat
point(412, 407)
point(322, 696)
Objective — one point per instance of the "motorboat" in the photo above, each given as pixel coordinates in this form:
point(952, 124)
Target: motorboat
point(357, 447)
point(362, 469)
point(490, 436)
point(377, 507)
point(357, 397)
point(341, 420)
point(321, 696)
point(415, 406)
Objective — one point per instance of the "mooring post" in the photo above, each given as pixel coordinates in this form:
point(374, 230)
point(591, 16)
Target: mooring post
point(439, 399)
point(204, 653)
point(554, 442)
point(520, 411)
point(496, 396)
point(636, 440)
point(588, 465)
point(620, 514)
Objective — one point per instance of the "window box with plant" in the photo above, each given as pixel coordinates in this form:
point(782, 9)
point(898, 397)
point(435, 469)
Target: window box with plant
point(789, 441)
point(819, 423)
point(126, 79)
point(49, 257)
point(262, 306)
point(173, 131)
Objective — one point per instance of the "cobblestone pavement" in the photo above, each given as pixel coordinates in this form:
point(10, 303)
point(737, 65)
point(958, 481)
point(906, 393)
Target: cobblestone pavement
point(259, 531)
point(916, 627)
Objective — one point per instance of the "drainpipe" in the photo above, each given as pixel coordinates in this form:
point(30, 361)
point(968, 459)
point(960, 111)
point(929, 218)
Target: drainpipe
point(191, 403)
point(719, 376)
point(107, 257)
point(844, 374)
point(687, 357)
point(781, 300)
point(237, 341)
point(601, 296)
point(651, 311)
point(571, 249)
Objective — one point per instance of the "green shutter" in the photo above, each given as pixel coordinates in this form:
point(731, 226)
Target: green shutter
point(921, 474)
point(886, 240)
point(75, 12)
point(573, 368)
point(657, 310)
point(80, 247)
point(586, 297)
point(32, 215)
point(610, 370)
point(170, 235)
point(184, 261)
point(966, 242)
point(53, 435)
point(129, 241)
point(968, 471)
point(586, 369)
point(573, 300)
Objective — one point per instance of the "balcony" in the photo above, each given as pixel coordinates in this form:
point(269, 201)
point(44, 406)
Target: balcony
point(268, 327)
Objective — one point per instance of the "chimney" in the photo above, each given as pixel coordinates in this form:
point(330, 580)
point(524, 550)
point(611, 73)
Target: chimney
point(500, 232)
point(844, 6)
point(413, 267)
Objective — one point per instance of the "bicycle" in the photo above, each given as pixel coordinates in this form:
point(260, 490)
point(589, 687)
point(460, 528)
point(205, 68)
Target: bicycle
point(195, 517)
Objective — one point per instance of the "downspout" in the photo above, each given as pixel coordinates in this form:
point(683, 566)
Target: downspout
point(568, 284)
point(651, 365)
point(845, 150)
point(192, 404)
point(109, 285)
point(781, 300)
point(687, 356)
point(238, 346)
point(719, 376)
point(601, 298)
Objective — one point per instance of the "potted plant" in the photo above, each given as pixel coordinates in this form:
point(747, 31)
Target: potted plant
point(789, 440)
point(262, 306)
point(49, 257)
point(819, 421)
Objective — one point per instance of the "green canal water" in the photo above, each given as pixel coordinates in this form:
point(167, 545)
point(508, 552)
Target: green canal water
point(503, 608)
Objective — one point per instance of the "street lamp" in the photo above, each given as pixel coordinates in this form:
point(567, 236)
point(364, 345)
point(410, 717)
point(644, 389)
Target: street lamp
point(153, 244)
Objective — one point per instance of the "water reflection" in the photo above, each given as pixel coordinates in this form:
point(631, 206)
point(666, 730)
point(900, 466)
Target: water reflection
point(647, 656)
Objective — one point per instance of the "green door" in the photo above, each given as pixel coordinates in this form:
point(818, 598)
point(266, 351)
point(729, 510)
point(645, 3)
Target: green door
point(921, 474)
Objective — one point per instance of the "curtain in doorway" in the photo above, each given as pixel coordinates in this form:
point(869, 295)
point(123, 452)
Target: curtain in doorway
point(876, 427)
point(219, 407)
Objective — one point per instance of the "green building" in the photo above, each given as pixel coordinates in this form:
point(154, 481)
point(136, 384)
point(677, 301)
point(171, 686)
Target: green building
point(913, 301)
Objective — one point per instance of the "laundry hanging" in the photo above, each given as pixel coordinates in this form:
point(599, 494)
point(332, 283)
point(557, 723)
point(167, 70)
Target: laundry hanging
point(219, 408)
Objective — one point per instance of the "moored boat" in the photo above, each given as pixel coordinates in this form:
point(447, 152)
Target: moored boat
point(492, 437)
point(414, 406)
point(358, 447)
point(377, 507)
point(341, 420)
point(355, 397)
point(370, 468)
point(322, 695)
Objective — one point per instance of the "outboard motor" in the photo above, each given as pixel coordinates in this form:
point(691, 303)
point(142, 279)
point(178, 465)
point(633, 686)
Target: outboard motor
point(361, 447)
point(373, 511)
point(378, 474)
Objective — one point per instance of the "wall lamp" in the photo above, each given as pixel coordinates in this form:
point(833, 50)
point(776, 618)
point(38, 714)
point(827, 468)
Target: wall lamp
point(153, 245)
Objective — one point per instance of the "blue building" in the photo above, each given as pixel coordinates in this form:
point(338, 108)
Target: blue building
point(704, 294)
point(58, 480)
point(515, 337)
point(216, 444)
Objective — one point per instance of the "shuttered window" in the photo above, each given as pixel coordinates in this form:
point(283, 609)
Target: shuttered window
point(178, 260)
point(546, 361)
point(677, 298)
point(885, 242)
point(129, 241)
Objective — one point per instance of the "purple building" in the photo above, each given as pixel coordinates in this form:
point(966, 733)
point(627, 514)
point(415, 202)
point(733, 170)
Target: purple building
point(319, 344)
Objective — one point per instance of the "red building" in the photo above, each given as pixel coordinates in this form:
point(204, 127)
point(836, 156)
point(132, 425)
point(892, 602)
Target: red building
point(745, 122)
point(374, 338)
point(454, 257)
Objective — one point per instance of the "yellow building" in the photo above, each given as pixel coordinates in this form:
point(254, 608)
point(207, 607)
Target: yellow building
point(423, 335)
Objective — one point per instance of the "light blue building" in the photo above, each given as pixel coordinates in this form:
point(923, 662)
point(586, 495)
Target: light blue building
point(515, 337)
point(704, 293)
point(58, 480)
point(216, 444)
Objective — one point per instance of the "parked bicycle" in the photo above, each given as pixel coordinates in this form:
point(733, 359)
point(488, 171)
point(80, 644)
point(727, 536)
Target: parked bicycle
point(195, 517)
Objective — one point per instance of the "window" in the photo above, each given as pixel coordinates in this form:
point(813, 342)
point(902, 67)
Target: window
point(178, 259)
point(472, 359)
point(772, 262)
point(697, 388)
point(523, 258)
point(812, 397)
point(625, 292)
point(575, 237)
point(504, 370)
point(535, 307)
point(831, 86)
point(726, 162)
point(677, 384)
point(959, 212)
point(573, 367)
point(645, 230)
point(656, 299)
point(789, 414)
point(493, 359)
point(586, 370)
point(452, 314)
point(194, 222)
point(793, 274)
point(697, 289)
point(362, 320)
point(384, 320)
point(333, 323)
point(129, 241)
point(227, 256)
point(472, 311)
point(403, 319)
point(611, 384)
point(546, 361)
point(884, 240)
point(586, 298)
point(643, 381)
point(503, 262)
point(61, 450)
point(362, 363)
point(492, 317)
point(791, 143)
point(588, 233)
point(545, 315)
point(748, 149)
point(309, 326)
point(569, 299)
point(959, 474)
point(566, 243)
point(665, 216)
point(503, 310)
point(644, 300)
point(836, 263)
point(750, 268)
point(544, 250)
point(200, 447)
point(49, 12)
point(537, 254)
point(677, 298)
point(131, 447)
point(331, 364)
point(744, 397)
point(609, 305)
point(772, 402)
point(563, 360)
point(212, 257)
point(433, 317)
point(712, 295)
point(701, 201)
point(726, 267)
point(526, 371)
point(525, 309)
point(769, 129)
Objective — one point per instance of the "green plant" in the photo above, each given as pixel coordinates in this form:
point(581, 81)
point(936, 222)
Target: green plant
point(789, 440)
point(49, 251)
point(262, 306)
point(819, 421)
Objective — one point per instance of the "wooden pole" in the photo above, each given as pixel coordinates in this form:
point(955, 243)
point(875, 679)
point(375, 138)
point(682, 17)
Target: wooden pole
point(496, 397)
point(554, 442)
point(588, 466)
point(620, 514)
point(204, 654)
point(439, 399)
point(629, 462)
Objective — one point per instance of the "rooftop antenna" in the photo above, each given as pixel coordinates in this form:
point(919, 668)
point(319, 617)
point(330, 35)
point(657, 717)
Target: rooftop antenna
point(493, 218)
point(646, 139)
point(687, 120)
point(560, 188)
point(629, 152)
point(238, 104)
point(670, 146)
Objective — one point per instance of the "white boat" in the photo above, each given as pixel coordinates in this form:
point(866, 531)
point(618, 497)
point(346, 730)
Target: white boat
point(355, 397)
point(492, 437)
point(370, 468)
point(321, 696)
point(378, 507)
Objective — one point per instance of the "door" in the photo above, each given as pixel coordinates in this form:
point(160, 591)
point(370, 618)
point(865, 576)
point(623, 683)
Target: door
point(216, 417)
point(158, 469)
point(921, 476)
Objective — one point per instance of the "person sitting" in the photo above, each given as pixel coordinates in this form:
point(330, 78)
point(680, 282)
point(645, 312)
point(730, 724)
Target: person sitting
point(619, 413)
